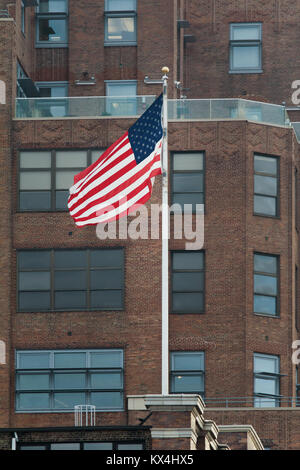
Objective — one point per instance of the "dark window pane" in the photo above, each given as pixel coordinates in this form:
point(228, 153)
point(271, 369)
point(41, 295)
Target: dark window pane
point(263, 304)
point(106, 380)
point(52, 6)
point(187, 361)
point(106, 359)
point(66, 381)
point(182, 198)
point(188, 303)
point(32, 448)
point(33, 360)
point(188, 260)
point(34, 300)
point(106, 279)
point(130, 446)
point(34, 259)
point(34, 401)
point(61, 200)
point(70, 299)
point(188, 282)
point(69, 360)
point(187, 182)
point(72, 280)
point(187, 383)
point(106, 258)
point(33, 381)
point(265, 205)
point(266, 165)
point(70, 259)
point(68, 400)
point(265, 185)
point(35, 200)
point(121, 29)
point(246, 57)
point(106, 299)
point(52, 30)
point(66, 446)
point(107, 400)
point(97, 446)
point(265, 264)
point(35, 280)
point(265, 285)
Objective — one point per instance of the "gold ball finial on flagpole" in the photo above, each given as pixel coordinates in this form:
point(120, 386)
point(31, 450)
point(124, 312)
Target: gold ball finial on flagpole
point(165, 70)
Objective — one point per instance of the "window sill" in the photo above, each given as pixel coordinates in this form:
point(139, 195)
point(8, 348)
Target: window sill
point(277, 217)
point(245, 71)
point(119, 43)
point(48, 45)
point(74, 310)
point(266, 315)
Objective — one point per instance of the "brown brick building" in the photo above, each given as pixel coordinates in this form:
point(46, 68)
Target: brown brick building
point(80, 317)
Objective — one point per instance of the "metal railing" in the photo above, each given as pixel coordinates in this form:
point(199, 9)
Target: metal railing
point(198, 109)
point(254, 401)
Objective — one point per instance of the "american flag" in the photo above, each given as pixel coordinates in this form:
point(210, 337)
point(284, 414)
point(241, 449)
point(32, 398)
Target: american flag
point(123, 176)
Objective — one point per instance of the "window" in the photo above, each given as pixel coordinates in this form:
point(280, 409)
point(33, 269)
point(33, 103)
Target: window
point(266, 186)
point(59, 380)
point(51, 21)
point(20, 74)
point(22, 17)
point(187, 372)
point(121, 99)
point(120, 22)
point(56, 106)
point(188, 180)
point(246, 48)
point(45, 177)
point(187, 282)
point(266, 284)
point(59, 280)
point(122, 445)
point(266, 381)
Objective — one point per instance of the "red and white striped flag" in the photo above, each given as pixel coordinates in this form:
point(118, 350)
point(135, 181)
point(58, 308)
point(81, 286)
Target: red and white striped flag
point(122, 178)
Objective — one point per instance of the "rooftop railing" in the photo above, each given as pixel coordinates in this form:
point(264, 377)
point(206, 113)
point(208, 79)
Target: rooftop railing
point(256, 402)
point(182, 109)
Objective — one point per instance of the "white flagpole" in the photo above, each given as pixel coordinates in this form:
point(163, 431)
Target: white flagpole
point(165, 243)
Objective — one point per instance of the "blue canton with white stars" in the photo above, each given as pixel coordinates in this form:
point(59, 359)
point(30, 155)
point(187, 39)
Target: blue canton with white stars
point(146, 131)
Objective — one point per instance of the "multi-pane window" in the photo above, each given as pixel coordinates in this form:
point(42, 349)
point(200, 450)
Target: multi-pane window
point(45, 177)
point(121, 97)
point(58, 280)
point(120, 22)
point(59, 380)
point(187, 372)
point(266, 185)
point(266, 284)
point(246, 47)
point(104, 445)
point(52, 23)
point(266, 380)
point(57, 105)
point(188, 180)
point(187, 281)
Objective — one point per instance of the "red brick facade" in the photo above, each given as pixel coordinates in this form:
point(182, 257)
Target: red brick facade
point(227, 331)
